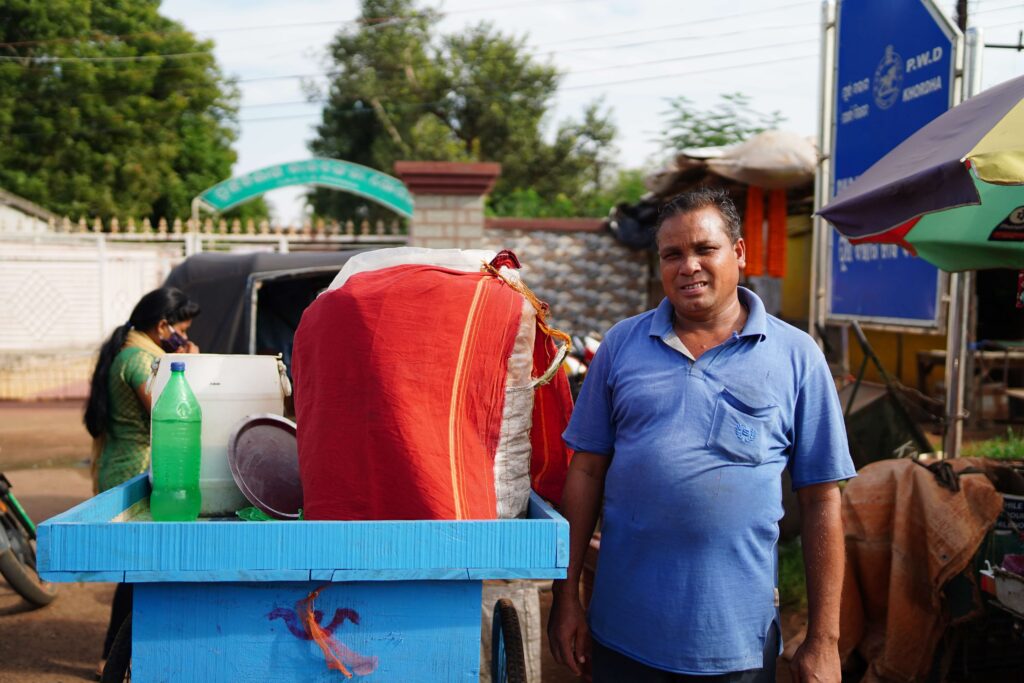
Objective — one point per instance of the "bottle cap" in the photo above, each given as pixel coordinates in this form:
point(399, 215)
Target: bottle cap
point(177, 366)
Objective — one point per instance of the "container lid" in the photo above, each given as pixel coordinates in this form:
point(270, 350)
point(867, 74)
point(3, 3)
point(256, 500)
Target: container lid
point(264, 459)
point(177, 366)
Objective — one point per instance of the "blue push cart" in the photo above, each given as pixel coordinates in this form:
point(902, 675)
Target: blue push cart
point(222, 600)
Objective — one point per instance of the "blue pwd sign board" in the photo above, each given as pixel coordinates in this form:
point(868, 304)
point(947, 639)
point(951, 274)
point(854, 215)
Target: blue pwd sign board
point(895, 70)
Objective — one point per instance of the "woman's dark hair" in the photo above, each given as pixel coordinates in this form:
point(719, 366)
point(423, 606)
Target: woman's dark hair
point(166, 303)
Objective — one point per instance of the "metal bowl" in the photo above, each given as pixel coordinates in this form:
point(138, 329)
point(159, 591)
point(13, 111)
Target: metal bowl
point(264, 461)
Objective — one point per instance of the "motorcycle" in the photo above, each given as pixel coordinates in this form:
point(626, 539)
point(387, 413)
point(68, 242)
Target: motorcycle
point(18, 550)
point(581, 352)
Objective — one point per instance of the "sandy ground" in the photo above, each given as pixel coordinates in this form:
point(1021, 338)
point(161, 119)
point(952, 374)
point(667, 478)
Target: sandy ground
point(44, 451)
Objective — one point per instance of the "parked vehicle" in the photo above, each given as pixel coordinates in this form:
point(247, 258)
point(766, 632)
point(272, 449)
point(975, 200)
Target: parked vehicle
point(18, 550)
point(252, 303)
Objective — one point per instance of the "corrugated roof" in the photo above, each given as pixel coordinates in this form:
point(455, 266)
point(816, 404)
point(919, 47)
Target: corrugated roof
point(25, 206)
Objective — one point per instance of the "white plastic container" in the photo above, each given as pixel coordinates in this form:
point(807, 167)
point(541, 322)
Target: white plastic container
point(228, 388)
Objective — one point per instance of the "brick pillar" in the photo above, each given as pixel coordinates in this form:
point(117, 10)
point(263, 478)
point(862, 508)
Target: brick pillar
point(449, 195)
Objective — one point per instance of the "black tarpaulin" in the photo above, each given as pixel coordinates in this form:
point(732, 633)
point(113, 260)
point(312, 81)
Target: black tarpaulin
point(224, 284)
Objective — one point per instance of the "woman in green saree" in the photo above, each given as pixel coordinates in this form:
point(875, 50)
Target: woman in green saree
point(117, 414)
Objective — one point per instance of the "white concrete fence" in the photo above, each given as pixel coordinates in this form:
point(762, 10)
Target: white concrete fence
point(65, 286)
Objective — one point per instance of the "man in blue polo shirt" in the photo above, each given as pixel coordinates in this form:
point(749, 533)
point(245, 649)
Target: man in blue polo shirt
point(687, 417)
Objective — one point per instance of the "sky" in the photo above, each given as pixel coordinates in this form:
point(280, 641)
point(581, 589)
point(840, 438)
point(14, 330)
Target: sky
point(633, 54)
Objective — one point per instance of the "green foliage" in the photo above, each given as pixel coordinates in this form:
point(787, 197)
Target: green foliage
point(627, 186)
point(792, 580)
point(86, 135)
point(730, 121)
point(529, 204)
point(401, 91)
point(1009, 447)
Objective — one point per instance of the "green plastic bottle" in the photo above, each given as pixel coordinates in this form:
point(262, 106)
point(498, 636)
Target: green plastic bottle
point(177, 433)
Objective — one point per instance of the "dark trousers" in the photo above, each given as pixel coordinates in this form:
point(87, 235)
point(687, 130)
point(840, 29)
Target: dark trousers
point(610, 666)
point(120, 610)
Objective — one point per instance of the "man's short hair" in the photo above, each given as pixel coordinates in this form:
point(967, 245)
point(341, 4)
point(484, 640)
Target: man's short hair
point(701, 198)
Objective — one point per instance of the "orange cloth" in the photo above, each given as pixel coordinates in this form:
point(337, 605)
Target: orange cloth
point(776, 234)
point(753, 231)
point(906, 536)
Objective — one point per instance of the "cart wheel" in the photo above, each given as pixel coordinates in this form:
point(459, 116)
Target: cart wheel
point(508, 659)
point(119, 662)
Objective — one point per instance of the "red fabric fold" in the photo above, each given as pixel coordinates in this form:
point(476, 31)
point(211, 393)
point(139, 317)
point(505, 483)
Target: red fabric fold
point(399, 391)
point(552, 408)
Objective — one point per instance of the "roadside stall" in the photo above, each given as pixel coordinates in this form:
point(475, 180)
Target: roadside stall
point(953, 194)
point(226, 600)
point(388, 586)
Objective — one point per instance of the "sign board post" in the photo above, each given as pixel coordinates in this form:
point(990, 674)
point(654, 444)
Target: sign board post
point(961, 293)
point(895, 69)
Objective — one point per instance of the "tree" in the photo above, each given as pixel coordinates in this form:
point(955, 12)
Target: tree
point(109, 109)
point(399, 91)
point(625, 186)
point(730, 121)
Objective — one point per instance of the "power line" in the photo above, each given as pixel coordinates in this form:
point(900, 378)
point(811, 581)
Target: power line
point(1015, 23)
point(720, 53)
point(262, 105)
point(696, 72)
point(704, 55)
point(155, 57)
point(706, 36)
point(391, 20)
point(400, 19)
point(425, 105)
point(331, 73)
point(136, 58)
point(708, 20)
point(690, 73)
point(370, 22)
point(987, 10)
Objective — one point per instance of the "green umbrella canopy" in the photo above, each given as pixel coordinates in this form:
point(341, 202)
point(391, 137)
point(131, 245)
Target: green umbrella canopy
point(953, 192)
point(975, 236)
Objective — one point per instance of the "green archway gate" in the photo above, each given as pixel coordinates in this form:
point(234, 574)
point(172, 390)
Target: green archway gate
point(344, 176)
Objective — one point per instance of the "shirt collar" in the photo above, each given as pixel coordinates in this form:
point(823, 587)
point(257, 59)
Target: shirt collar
point(756, 325)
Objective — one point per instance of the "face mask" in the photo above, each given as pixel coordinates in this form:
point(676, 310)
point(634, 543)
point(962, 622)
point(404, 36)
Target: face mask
point(174, 342)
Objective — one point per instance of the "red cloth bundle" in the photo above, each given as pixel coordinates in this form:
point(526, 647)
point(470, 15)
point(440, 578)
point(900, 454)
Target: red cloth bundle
point(399, 391)
point(552, 408)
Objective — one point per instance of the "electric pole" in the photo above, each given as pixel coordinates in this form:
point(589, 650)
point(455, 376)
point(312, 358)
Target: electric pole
point(961, 14)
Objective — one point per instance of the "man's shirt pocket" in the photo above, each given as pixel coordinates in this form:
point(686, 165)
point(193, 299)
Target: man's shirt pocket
point(739, 432)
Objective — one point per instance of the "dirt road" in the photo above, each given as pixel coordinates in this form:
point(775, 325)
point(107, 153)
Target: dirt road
point(44, 452)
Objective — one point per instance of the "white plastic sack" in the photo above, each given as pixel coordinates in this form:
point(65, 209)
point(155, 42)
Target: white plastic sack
point(467, 260)
point(774, 159)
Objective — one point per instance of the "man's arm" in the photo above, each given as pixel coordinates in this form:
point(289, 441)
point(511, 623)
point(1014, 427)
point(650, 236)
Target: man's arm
point(821, 533)
point(581, 504)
